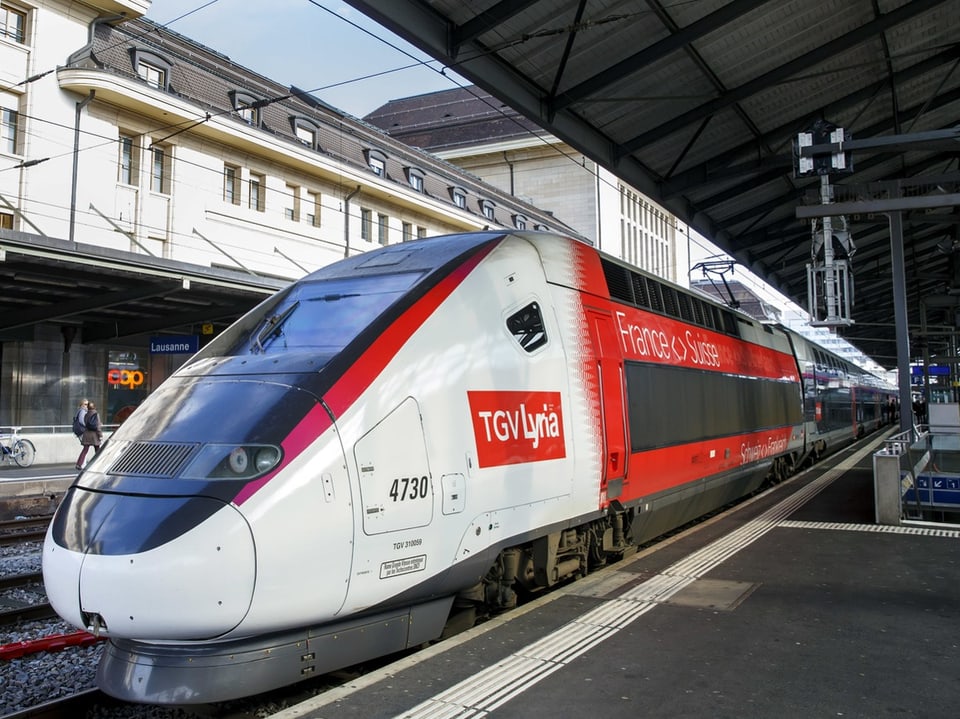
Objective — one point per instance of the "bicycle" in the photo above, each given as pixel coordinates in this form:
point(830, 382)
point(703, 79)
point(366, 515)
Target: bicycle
point(16, 448)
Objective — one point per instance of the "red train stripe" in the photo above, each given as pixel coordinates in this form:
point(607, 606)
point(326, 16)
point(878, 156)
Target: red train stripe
point(367, 367)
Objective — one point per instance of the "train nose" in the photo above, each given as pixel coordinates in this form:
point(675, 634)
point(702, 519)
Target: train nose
point(107, 573)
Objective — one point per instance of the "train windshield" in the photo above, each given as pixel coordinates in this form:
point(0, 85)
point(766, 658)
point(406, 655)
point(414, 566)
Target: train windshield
point(322, 316)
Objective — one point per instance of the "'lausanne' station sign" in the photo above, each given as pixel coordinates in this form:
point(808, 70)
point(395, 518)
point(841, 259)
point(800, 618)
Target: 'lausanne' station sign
point(174, 344)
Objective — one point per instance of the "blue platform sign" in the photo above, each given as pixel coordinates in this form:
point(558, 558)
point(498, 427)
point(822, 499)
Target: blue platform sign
point(174, 344)
point(935, 490)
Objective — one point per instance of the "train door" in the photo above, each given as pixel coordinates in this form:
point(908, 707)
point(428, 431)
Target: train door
point(392, 547)
point(610, 376)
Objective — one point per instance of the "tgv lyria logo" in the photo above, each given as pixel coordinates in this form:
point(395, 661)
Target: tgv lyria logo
point(515, 427)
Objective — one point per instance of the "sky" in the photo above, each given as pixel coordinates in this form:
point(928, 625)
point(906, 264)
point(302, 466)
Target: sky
point(322, 46)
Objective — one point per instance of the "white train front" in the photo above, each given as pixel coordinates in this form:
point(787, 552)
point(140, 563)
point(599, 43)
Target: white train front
point(401, 437)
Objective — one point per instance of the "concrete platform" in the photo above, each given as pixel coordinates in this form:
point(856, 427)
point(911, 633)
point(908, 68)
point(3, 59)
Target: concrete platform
point(795, 605)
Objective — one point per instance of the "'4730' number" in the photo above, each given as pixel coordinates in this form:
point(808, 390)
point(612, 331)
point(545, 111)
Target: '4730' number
point(409, 488)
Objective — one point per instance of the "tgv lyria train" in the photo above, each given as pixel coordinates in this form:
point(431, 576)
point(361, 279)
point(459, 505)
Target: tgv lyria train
point(413, 435)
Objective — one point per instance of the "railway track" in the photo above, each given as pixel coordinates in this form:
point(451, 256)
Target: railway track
point(28, 529)
point(70, 707)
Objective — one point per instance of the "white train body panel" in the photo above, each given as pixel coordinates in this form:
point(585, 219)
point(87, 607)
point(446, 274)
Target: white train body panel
point(419, 410)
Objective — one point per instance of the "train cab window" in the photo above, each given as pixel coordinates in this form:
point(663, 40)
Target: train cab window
point(321, 317)
point(526, 326)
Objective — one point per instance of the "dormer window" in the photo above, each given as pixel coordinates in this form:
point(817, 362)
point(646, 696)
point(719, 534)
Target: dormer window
point(247, 107)
point(152, 75)
point(488, 209)
point(376, 161)
point(306, 131)
point(415, 177)
point(152, 68)
point(520, 221)
point(459, 197)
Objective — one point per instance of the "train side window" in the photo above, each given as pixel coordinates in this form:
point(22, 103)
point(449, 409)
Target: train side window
point(656, 299)
point(618, 282)
point(684, 307)
point(526, 326)
point(670, 301)
point(705, 312)
point(640, 291)
point(730, 323)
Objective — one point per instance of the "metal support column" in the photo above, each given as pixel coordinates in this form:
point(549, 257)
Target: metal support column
point(899, 280)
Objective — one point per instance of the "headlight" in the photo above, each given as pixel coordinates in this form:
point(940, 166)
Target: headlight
point(233, 461)
point(237, 460)
point(266, 458)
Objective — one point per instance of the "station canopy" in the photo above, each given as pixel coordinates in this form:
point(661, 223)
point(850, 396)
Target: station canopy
point(699, 105)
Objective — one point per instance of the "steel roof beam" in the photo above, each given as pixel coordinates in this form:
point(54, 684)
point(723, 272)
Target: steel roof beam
point(61, 310)
point(104, 331)
point(484, 21)
point(827, 50)
point(703, 174)
point(649, 55)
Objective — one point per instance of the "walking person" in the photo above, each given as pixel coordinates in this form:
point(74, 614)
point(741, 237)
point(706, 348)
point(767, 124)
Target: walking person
point(78, 420)
point(92, 434)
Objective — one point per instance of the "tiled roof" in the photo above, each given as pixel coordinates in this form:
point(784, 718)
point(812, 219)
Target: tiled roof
point(461, 117)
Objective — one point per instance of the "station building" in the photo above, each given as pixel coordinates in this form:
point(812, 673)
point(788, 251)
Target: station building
point(152, 191)
point(477, 132)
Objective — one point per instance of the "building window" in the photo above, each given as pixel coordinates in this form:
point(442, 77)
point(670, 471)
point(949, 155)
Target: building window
point(488, 209)
point(520, 222)
point(258, 190)
point(152, 68)
point(13, 24)
point(459, 197)
point(407, 232)
point(421, 232)
point(292, 210)
point(231, 184)
point(153, 76)
point(250, 115)
point(128, 167)
point(9, 119)
point(366, 224)
point(6, 221)
point(247, 107)
point(305, 130)
point(160, 169)
point(313, 208)
point(383, 229)
point(377, 162)
point(307, 136)
point(415, 178)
